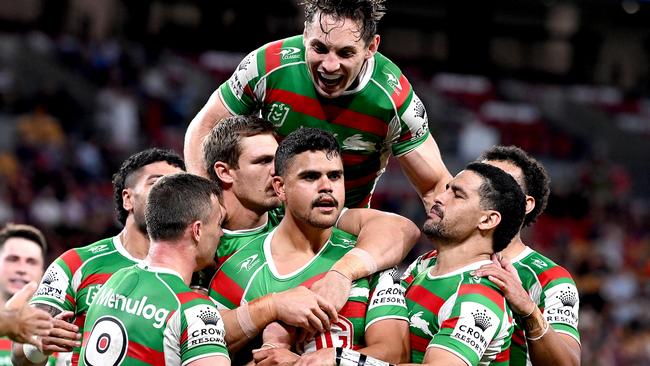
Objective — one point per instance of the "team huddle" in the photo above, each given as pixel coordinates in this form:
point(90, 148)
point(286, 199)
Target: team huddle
point(264, 250)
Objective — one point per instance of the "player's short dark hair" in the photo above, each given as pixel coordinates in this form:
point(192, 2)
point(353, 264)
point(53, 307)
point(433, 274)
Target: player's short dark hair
point(366, 12)
point(301, 140)
point(130, 166)
point(500, 192)
point(177, 200)
point(28, 232)
point(536, 180)
point(223, 141)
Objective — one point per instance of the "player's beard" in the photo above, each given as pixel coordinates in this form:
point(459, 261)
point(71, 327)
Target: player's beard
point(436, 231)
point(140, 222)
point(322, 221)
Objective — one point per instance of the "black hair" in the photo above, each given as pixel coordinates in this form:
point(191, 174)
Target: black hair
point(301, 140)
point(500, 192)
point(536, 180)
point(130, 166)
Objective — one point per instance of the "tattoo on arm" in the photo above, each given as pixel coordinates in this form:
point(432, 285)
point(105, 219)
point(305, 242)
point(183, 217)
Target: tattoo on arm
point(49, 308)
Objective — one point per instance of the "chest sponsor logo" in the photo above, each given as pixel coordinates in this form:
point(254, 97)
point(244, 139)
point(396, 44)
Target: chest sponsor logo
point(107, 297)
point(476, 327)
point(393, 82)
point(278, 113)
point(204, 326)
point(417, 322)
point(54, 283)
point(92, 292)
point(357, 143)
point(289, 53)
point(248, 263)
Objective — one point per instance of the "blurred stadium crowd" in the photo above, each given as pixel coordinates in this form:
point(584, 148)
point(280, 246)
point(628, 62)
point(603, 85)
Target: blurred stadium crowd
point(72, 107)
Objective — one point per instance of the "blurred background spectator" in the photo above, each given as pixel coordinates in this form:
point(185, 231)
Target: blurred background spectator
point(85, 83)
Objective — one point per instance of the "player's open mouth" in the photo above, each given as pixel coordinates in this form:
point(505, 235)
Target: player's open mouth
point(329, 80)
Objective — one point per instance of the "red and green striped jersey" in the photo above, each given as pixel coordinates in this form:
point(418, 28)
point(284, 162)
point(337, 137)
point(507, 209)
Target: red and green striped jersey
point(555, 293)
point(233, 240)
point(461, 313)
point(147, 315)
point(420, 264)
point(251, 273)
point(73, 279)
point(5, 355)
point(380, 117)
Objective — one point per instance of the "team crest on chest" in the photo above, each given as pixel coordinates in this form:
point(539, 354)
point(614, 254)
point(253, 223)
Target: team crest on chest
point(278, 113)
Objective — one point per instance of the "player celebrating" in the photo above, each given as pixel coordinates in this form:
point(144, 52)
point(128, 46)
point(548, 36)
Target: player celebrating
point(147, 313)
point(309, 181)
point(73, 279)
point(332, 77)
point(542, 293)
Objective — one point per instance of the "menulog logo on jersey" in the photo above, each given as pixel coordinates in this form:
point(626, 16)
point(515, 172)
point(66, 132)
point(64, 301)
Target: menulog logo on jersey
point(54, 283)
point(109, 298)
point(204, 326)
point(476, 326)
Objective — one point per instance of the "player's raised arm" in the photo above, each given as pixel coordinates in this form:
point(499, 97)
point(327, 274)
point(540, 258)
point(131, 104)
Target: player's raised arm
point(211, 113)
point(426, 171)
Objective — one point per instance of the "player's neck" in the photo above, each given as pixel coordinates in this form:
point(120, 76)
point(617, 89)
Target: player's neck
point(133, 240)
point(174, 255)
point(452, 257)
point(514, 249)
point(294, 244)
point(241, 217)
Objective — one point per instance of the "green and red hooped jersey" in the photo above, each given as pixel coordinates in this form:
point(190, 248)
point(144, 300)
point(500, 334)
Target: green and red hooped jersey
point(553, 290)
point(380, 117)
point(73, 279)
point(548, 284)
point(147, 315)
point(233, 240)
point(461, 313)
point(250, 273)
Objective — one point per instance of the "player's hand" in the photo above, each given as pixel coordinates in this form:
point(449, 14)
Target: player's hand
point(26, 323)
point(274, 356)
point(504, 275)
point(300, 307)
point(335, 287)
point(63, 337)
point(279, 335)
point(322, 357)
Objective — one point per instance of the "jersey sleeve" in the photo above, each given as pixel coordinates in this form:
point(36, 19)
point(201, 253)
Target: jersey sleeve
point(560, 302)
point(411, 128)
point(56, 287)
point(238, 92)
point(386, 298)
point(202, 332)
point(478, 318)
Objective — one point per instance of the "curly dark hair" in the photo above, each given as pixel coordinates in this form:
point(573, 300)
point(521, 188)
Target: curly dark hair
point(366, 12)
point(536, 180)
point(500, 192)
point(132, 165)
point(222, 144)
point(301, 140)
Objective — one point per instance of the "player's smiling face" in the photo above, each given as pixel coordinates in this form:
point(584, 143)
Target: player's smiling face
point(335, 53)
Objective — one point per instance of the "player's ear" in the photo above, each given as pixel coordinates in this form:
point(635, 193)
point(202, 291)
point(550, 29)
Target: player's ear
point(278, 186)
point(373, 46)
point(222, 170)
point(489, 220)
point(195, 230)
point(530, 204)
point(127, 199)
